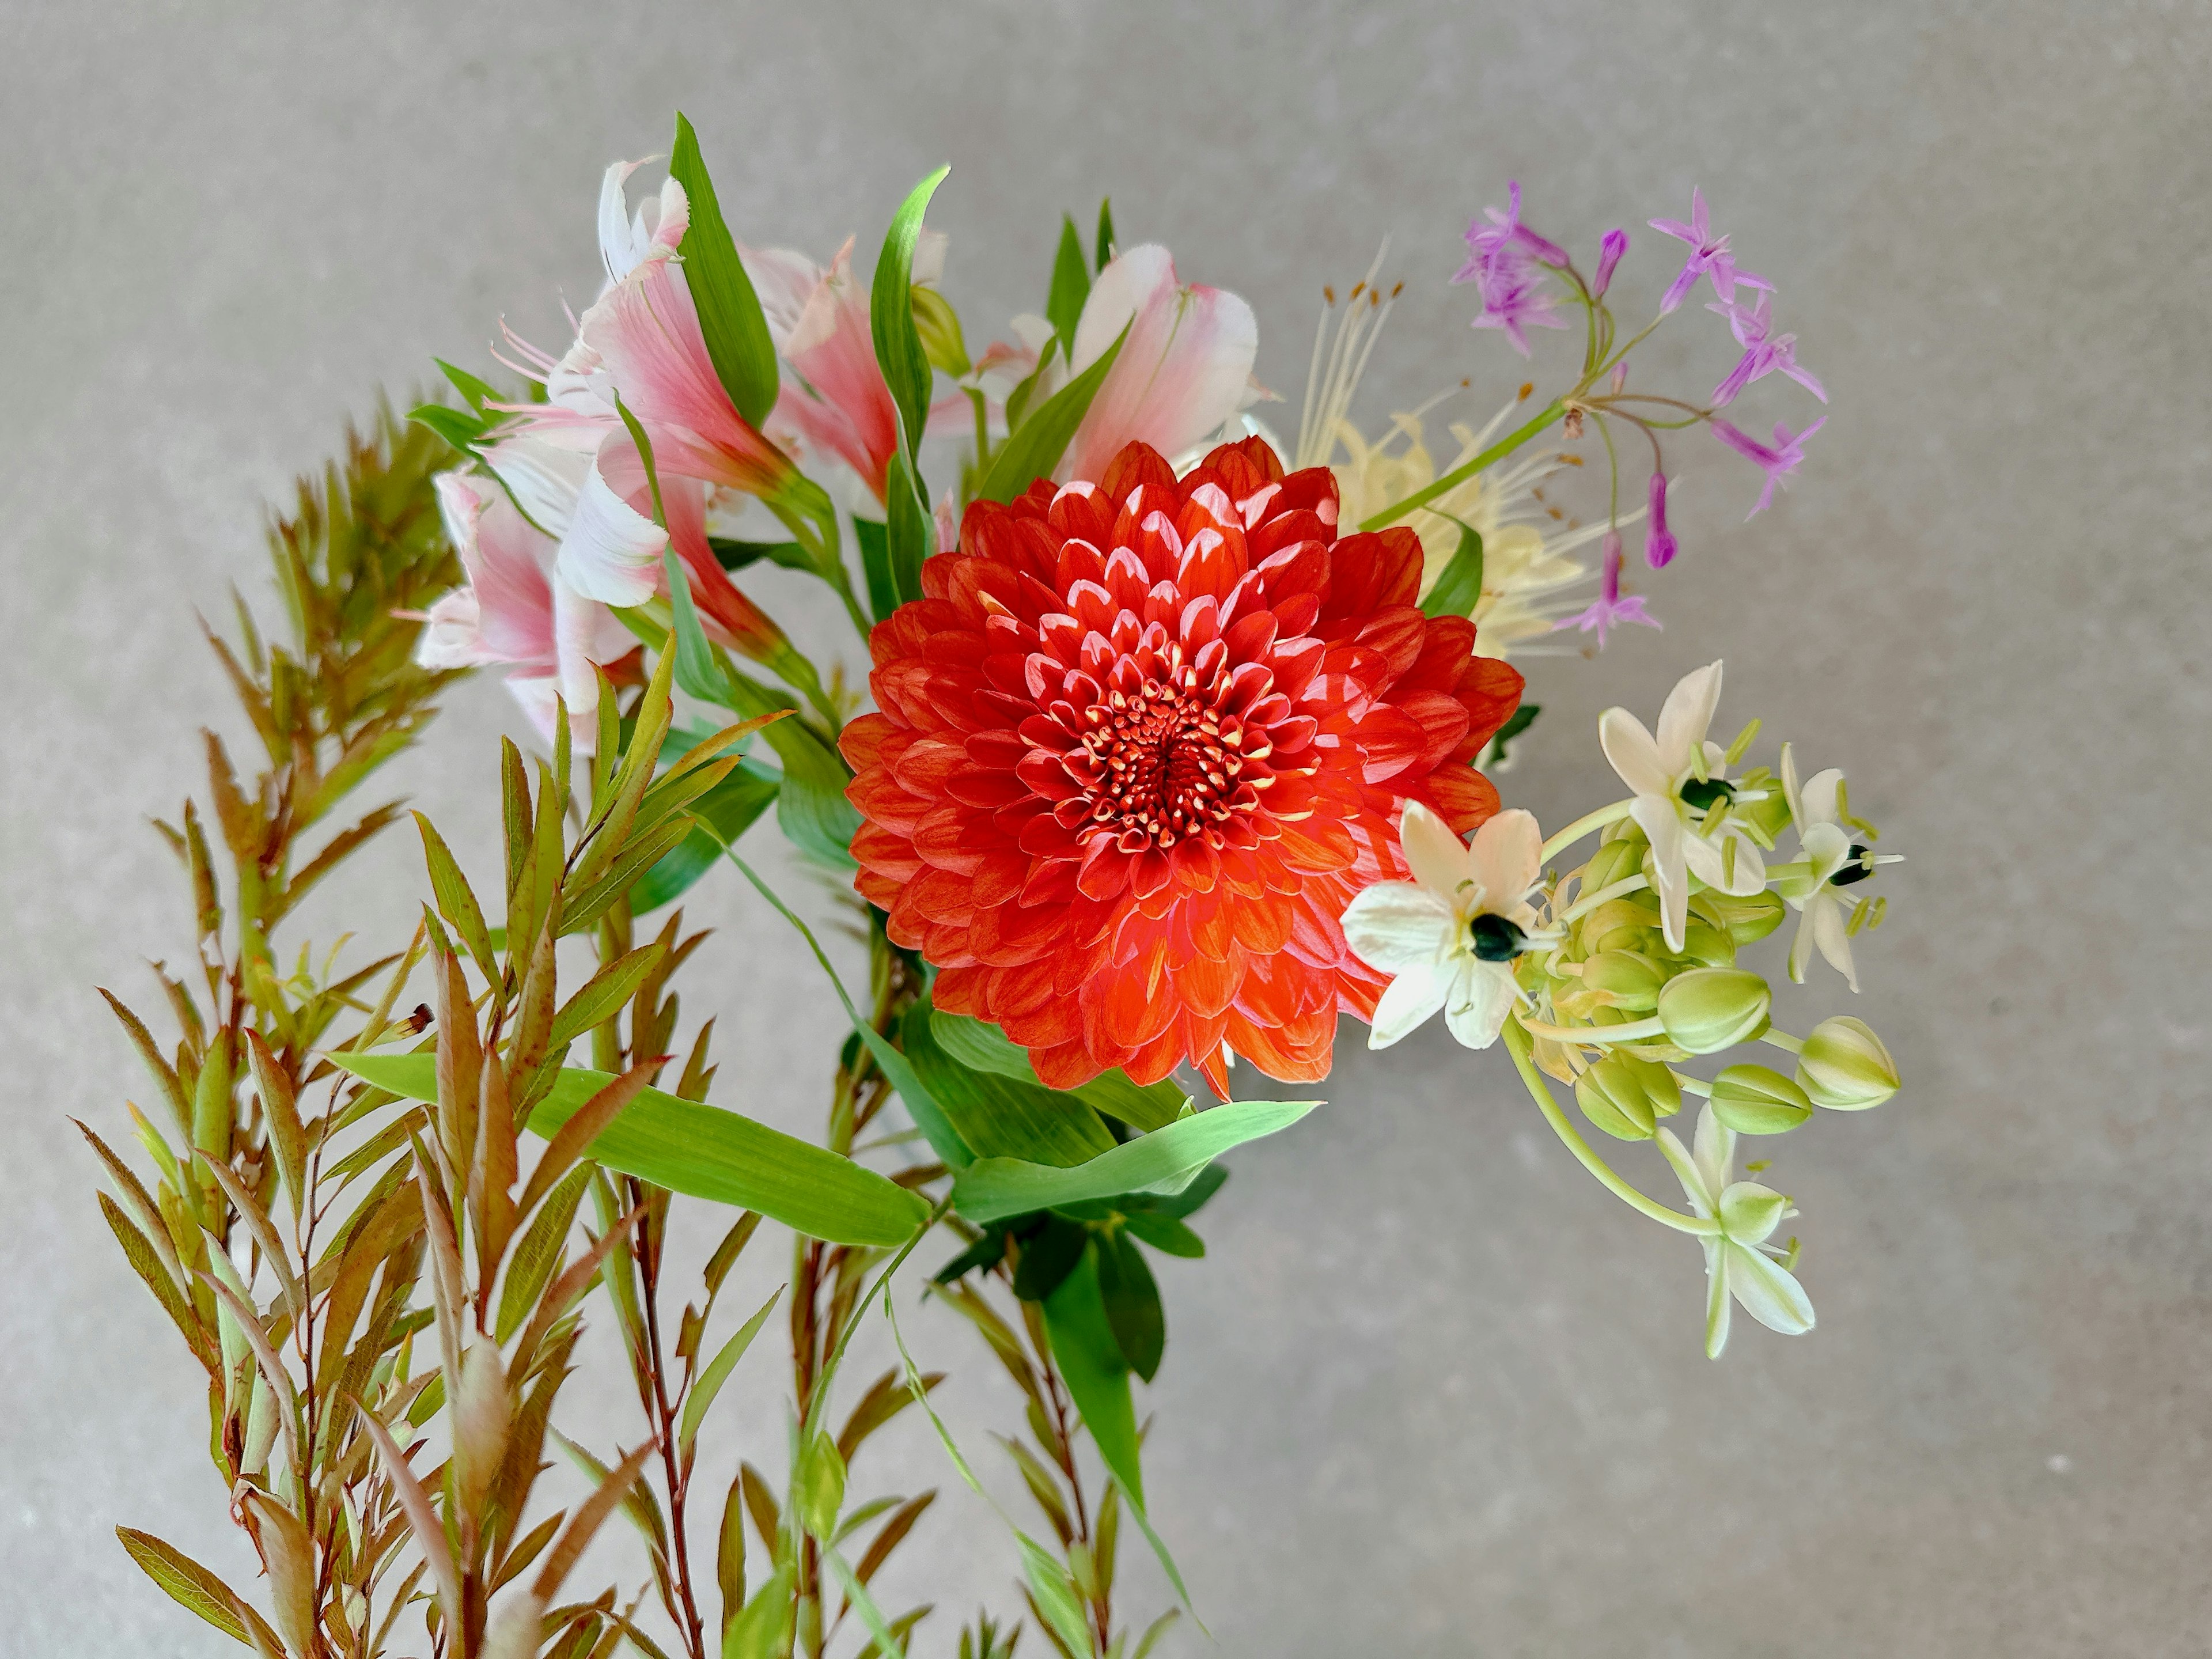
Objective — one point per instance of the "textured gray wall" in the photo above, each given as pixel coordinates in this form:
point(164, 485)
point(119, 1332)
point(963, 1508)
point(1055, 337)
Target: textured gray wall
point(1436, 1393)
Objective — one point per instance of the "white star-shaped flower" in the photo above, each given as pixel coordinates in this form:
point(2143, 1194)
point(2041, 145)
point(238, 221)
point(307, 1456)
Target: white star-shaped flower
point(1738, 1261)
point(1449, 937)
point(1827, 852)
point(1680, 784)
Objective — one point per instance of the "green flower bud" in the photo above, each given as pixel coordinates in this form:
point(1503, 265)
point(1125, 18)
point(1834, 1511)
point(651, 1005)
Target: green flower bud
point(1758, 1100)
point(939, 325)
point(1745, 921)
point(1614, 860)
point(1709, 945)
point(1633, 982)
point(1611, 1101)
point(1710, 1009)
point(1751, 1212)
point(1843, 1065)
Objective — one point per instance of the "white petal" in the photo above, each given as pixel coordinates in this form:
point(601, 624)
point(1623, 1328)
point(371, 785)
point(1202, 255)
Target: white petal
point(618, 249)
point(1768, 1292)
point(1828, 924)
point(1634, 756)
point(612, 552)
point(1751, 1212)
point(1716, 1151)
point(1411, 998)
point(1506, 858)
point(1825, 847)
point(1801, 945)
point(1717, 1301)
point(1686, 1171)
point(1662, 823)
point(1438, 856)
point(1689, 712)
point(1822, 795)
point(1394, 927)
point(1482, 995)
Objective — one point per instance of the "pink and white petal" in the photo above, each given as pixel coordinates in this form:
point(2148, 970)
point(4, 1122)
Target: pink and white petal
point(1634, 756)
point(1481, 997)
point(618, 249)
point(612, 552)
point(1507, 858)
point(462, 499)
point(1688, 712)
point(514, 595)
point(1433, 849)
point(1663, 826)
point(537, 693)
point(544, 467)
point(1398, 928)
point(784, 279)
point(1411, 998)
point(452, 637)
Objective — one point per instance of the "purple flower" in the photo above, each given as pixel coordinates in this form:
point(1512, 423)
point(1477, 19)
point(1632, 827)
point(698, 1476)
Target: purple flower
point(1708, 257)
point(1608, 257)
point(1660, 547)
point(1503, 241)
point(1515, 302)
point(1611, 611)
point(1763, 351)
point(1778, 463)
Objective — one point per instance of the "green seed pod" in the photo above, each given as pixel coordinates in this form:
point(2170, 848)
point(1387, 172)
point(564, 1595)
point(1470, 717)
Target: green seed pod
point(1843, 1065)
point(1758, 1100)
point(1612, 1100)
point(1710, 1009)
point(1632, 980)
point(1745, 921)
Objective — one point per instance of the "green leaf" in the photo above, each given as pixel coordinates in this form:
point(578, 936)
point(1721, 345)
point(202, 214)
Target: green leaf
point(730, 314)
point(1097, 1375)
point(732, 807)
point(1460, 585)
point(1133, 1303)
point(891, 312)
point(818, 1491)
point(1048, 1255)
point(603, 996)
point(193, 1586)
point(876, 565)
point(459, 430)
point(718, 1372)
point(996, 1117)
point(1071, 286)
point(1166, 1161)
point(1164, 1233)
point(479, 392)
point(761, 1631)
point(1105, 231)
point(1515, 723)
point(1189, 1201)
point(984, 1048)
point(1036, 446)
point(910, 533)
point(735, 555)
point(704, 1151)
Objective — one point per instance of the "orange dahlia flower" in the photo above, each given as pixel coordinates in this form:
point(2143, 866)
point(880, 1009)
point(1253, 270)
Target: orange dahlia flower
point(1139, 745)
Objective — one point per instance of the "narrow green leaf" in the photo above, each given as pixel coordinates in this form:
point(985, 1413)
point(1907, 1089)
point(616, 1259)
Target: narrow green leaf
point(193, 1586)
point(604, 994)
point(531, 1267)
point(731, 807)
point(461, 431)
point(1132, 1296)
point(1164, 1234)
point(1166, 1161)
point(876, 565)
point(1105, 245)
point(1191, 1199)
point(718, 1372)
point(818, 1491)
point(761, 1631)
point(1044, 434)
point(995, 1115)
point(1071, 286)
point(890, 310)
point(1517, 722)
point(457, 901)
point(1459, 587)
point(704, 1151)
point(1096, 1375)
point(730, 314)
point(479, 392)
point(910, 532)
point(735, 555)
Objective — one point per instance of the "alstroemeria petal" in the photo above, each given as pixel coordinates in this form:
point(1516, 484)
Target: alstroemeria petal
point(1411, 998)
point(1688, 712)
point(1438, 857)
point(1480, 997)
point(1397, 927)
point(1633, 753)
point(612, 552)
point(1769, 1294)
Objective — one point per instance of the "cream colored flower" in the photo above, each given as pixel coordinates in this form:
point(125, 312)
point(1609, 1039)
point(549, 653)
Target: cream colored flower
point(1832, 861)
point(1738, 1261)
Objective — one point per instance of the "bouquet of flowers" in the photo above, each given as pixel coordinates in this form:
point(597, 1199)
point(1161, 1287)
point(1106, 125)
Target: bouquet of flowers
point(1173, 753)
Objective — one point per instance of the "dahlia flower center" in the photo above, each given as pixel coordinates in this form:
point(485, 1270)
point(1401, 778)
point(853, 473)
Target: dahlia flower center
point(1165, 763)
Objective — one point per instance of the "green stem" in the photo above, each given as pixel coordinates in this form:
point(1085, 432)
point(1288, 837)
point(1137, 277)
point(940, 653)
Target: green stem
point(1586, 825)
point(1589, 902)
point(1783, 1041)
point(1597, 1036)
point(1517, 1045)
point(1459, 475)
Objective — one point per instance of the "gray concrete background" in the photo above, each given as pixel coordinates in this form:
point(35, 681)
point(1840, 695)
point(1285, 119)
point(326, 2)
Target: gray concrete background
point(1434, 1393)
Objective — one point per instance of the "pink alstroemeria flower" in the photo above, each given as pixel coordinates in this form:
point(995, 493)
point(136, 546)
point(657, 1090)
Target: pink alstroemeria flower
point(1765, 351)
point(1786, 456)
point(1708, 257)
point(517, 610)
point(1185, 368)
point(818, 319)
point(1611, 611)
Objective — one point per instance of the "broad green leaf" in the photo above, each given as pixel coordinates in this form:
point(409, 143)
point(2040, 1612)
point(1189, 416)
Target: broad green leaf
point(910, 533)
point(734, 555)
point(718, 1372)
point(996, 1115)
point(1460, 585)
point(729, 311)
point(1132, 1298)
point(762, 1629)
point(1034, 448)
point(461, 431)
point(1071, 286)
point(1166, 1161)
point(1164, 1233)
point(1192, 1198)
point(704, 1151)
point(890, 310)
point(1049, 1255)
point(732, 807)
point(982, 1046)
point(479, 392)
point(1096, 1375)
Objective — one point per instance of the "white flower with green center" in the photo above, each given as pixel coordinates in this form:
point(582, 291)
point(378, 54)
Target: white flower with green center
point(1738, 1261)
point(1450, 936)
point(1682, 798)
point(1832, 861)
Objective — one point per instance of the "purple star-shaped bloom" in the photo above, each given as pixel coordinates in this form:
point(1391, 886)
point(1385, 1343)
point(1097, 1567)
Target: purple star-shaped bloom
point(1503, 260)
point(1495, 245)
point(1765, 351)
point(1514, 301)
point(1708, 257)
point(1611, 611)
point(1784, 458)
